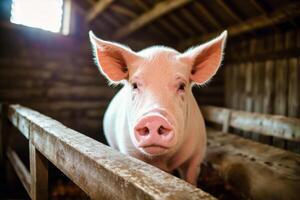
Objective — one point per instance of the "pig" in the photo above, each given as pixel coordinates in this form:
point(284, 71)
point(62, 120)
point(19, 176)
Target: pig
point(155, 117)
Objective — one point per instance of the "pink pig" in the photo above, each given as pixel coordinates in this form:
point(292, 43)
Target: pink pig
point(155, 117)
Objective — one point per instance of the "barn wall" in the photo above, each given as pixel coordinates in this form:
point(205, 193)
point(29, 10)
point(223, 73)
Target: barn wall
point(262, 75)
point(54, 75)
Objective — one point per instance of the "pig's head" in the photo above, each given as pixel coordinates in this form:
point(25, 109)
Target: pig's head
point(158, 81)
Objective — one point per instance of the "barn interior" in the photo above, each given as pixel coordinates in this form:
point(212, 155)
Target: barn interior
point(54, 72)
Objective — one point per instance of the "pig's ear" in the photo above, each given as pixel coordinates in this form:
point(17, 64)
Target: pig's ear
point(205, 59)
point(112, 58)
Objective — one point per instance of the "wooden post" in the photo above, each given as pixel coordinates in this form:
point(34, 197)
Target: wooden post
point(39, 174)
point(3, 141)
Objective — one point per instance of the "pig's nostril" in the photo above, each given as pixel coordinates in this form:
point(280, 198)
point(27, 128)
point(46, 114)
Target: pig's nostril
point(163, 131)
point(143, 131)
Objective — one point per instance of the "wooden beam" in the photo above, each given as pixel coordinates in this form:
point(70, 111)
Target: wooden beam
point(123, 11)
point(100, 171)
point(162, 22)
point(258, 6)
point(158, 10)
point(228, 10)
point(38, 171)
point(195, 22)
point(201, 9)
point(97, 9)
point(20, 169)
point(255, 170)
point(265, 124)
point(262, 21)
point(181, 25)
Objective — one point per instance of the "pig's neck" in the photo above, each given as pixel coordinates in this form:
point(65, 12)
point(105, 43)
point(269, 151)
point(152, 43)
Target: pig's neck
point(193, 138)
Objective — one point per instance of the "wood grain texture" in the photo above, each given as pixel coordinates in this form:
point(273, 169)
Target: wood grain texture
point(21, 171)
point(159, 10)
point(251, 167)
point(100, 171)
point(270, 125)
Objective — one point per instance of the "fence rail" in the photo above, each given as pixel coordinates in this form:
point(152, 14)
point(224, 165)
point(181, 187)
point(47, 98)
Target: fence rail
point(97, 169)
point(271, 125)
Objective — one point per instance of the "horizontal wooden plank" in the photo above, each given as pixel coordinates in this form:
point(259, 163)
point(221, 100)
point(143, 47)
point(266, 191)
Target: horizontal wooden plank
point(256, 170)
point(100, 171)
point(20, 169)
point(82, 91)
point(271, 125)
point(278, 16)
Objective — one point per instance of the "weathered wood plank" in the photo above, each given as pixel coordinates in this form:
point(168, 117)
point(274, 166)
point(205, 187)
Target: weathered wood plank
point(293, 88)
point(97, 9)
point(228, 86)
point(228, 10)
point(100, 171)
point(38, 171)
point(158, 10)
point(294, 97)
point(276, 17)
point(199, 7)
point(3, 143)
point(235, 95)
point(280, 101)
point(251, 168)
point(248, 91)
point(269, 87)
point(270, 125)
point(20, 169)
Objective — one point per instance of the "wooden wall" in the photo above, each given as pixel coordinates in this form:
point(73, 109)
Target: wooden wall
point(263, 75)
point(54, 75)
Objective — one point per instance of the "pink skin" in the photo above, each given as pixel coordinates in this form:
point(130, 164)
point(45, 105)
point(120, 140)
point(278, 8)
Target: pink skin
point(155, 117)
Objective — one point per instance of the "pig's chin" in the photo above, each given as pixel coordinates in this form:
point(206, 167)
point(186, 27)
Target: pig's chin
point(154, 150)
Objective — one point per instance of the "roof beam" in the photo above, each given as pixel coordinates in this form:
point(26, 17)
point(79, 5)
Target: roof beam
point(158, 10)
point(259, 7)
point(262, 21)
point(229, 10)
point(97, 9)
point(201, 9)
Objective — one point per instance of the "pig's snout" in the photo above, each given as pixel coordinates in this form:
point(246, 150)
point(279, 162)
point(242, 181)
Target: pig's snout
point(154, 134)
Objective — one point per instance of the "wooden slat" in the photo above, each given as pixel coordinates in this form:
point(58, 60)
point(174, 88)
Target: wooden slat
point(38, 171)
point(269, 87)
point(97, 9)
point(20, 169)
point(200, 8)
point(258, 6)
point(258, 73)
point(278, 16)
point(162, 22)
point(235, 96)
point(182, 26)
point(3, 143)
point(270, 125)
point(158, 10)
point(294, 88)
point(280, 100)
point(257, 171)
point(195, 22)
point(228, 10)
point(100, 171)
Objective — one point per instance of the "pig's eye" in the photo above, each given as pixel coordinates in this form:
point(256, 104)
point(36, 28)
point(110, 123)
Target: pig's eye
point(181, 87)
point(134, 86)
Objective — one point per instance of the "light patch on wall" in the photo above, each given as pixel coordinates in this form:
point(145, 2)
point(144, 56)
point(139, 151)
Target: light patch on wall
point(44, 14)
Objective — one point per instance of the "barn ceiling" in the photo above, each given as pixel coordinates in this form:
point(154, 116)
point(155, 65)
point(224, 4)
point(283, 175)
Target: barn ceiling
point(183, 22)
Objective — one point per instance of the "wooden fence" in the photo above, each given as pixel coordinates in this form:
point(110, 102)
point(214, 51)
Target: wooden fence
point(98, 170)
point(263, 76)
point(257, 171)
